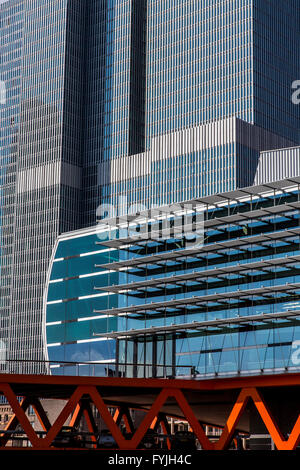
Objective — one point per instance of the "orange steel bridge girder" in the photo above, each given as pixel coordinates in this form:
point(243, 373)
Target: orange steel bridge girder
point(84, 393)
point(122, 412)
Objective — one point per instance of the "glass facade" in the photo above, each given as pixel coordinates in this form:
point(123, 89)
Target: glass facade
point(207, 62)
point(133, 103)
point(42, 158)
point(199, 63)
point(11, 47)
point(114, 89)
point(209, 286)
point(275, 64)
point(71, 322)
point(211, 59)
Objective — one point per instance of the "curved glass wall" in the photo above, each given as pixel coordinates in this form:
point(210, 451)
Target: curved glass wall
point(228, 305)
point(70, 320)
point(209, 287)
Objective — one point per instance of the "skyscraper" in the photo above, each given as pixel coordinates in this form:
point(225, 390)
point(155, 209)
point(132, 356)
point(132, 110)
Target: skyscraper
point(211, 67)
point(129, 103)
point(11, 45)
point(41, 186)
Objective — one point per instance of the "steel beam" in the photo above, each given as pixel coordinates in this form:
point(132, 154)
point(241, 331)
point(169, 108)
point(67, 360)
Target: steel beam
point(81, 392)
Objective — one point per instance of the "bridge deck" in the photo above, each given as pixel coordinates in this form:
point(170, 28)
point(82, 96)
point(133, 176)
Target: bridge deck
point(219, 402)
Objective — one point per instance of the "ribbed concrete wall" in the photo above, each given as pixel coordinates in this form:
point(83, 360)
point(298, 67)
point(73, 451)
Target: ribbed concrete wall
point(277, 165)
point(214, 134)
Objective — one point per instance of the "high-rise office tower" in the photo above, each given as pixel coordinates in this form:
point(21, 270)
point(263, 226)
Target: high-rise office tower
point(129, 102)
point(11, 46)
point(40, 158)
point(218, 91)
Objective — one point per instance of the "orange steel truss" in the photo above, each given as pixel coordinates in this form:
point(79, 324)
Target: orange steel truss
point(81, 392)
